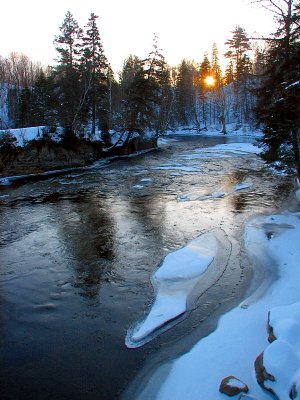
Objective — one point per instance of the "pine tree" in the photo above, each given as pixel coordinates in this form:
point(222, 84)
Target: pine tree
point(218, 90)
point(215, 65)
point(43, 100)
point(185, 93)
point(95, 76)
point(241, 69)
point(144, 84)
point(24, 117)
point(204, 72)
point(67, 79)
point(239, 46)
point(157, 75)
point(68, 42)
point(132, 84)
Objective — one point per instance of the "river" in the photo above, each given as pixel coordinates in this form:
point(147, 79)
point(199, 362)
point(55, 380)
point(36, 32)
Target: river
point(77, 252)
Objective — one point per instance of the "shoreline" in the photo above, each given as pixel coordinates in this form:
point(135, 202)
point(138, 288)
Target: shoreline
point(155, 373)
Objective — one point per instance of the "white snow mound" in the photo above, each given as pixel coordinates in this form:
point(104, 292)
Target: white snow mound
point(173, 282)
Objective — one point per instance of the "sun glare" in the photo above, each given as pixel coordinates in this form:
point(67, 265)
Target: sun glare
point(210, 80)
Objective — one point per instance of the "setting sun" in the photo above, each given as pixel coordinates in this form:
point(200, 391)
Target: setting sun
point(210, 80)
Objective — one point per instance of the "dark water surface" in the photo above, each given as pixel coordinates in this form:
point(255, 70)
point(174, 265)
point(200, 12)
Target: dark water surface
point(77, 252)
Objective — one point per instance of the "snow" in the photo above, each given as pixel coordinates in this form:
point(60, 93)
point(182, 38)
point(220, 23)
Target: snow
point(236, 383)
point(224, 150)
point(297, 83)
point(24, 135)
point(282, 357)
point(232, 129)
point(241, 334)
point(173, 282)
point(5, 182)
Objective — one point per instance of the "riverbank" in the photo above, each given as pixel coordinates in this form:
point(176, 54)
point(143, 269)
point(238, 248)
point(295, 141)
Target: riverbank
point(241, 337)
point(47, 157)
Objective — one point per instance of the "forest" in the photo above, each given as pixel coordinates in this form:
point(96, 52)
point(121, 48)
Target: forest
point(81, 95)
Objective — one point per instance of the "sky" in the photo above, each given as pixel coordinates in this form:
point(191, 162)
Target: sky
point(186, 29)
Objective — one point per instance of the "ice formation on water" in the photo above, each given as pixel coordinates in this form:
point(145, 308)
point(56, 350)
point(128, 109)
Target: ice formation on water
point(173, 282)
point(177, 167)
point(242, 186)
point(224, 151)
point(138, 187)
point(198, 373)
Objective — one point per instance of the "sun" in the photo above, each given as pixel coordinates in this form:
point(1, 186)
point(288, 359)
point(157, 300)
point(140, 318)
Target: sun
point(210, 81)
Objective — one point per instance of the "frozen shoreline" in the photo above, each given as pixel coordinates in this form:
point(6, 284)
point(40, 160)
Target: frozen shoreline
point(241, 333)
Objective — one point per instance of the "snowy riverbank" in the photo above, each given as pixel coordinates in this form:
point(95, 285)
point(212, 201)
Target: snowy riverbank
point(241, 336)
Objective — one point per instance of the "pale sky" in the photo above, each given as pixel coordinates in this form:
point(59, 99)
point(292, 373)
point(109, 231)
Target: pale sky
point(186, 28)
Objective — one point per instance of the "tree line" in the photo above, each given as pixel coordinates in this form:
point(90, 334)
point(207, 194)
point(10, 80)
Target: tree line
point(82, 95)
point(260, 87)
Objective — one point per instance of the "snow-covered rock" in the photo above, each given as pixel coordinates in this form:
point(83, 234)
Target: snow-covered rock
point(232, 386)
point(280, 361)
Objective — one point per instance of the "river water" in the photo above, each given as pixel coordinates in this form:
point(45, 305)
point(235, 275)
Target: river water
point(77, 252)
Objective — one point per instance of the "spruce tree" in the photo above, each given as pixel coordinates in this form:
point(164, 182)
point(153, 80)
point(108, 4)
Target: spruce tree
point(144, 84)
point(278, 106)
point(241, 68)
point(218, 89)
point(95, 76)
point(157, 76)
point(204, 72)
point(185, 93)
point(67, 79)
point(239, 46)
point(24, 117)
point(44, 103)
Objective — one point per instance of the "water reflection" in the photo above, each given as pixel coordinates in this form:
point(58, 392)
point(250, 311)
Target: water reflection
point(239, 202)
point(87, 230)
point(150, 214)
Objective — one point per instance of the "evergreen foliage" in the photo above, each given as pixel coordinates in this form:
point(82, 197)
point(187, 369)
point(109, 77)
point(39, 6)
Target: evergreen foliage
point(278, 105)
point(95, 72)
point(67, 78)
point(81, 95)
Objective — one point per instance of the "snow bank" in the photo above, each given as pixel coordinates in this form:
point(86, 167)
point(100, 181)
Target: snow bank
point(24, 135)
point(241, 334)
point(173, 283)
point(232, 129)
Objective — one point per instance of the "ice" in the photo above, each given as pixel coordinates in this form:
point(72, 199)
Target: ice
point(5, 182)
point(242, 186)
point(224, 151)
point(241, 334)
point(138, 187)
point(178, 167)
point(175, 174)
point(218, 195)
point(173, 282)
